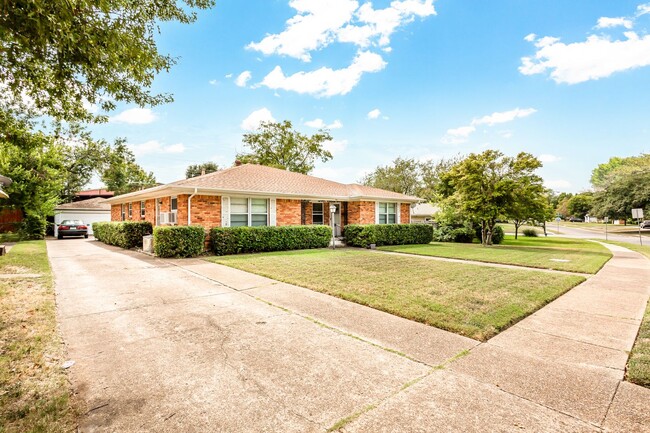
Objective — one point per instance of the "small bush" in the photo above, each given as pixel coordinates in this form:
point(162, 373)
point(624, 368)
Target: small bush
point(124, 234)
point(497, 234)
point(462, 235)
point(237, 240)
point(530, 233)
point(32, 226)
point(362, 235)
point(178, 241)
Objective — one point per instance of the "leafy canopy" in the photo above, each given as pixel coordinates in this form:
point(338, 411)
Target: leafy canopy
point(486, 186)
point(277, 144)
point(121, 174)
point(199, 169)
point(60, 54)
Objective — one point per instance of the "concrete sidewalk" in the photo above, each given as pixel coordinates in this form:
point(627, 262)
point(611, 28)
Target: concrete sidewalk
point(187, 345)
point(568, 358)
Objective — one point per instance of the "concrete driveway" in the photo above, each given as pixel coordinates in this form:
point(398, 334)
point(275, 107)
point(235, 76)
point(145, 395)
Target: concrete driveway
point(189, 346)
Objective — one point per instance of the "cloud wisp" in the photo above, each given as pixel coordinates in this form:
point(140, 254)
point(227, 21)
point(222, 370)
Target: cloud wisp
point(253, 120)
point(462, 133)
point(134, 116)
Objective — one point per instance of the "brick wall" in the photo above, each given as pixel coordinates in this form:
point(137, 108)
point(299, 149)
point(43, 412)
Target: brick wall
point(405, 213)
point(206, 211)
point(116, 212)
point(287, 212)
point(150, 211)
point(361, 212)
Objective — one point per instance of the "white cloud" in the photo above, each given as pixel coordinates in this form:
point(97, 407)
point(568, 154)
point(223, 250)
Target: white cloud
point(504, 116)
point(318, 23)
point(154, 146)
point(530, 37)
point(134, 116)
point(213, 82)
point(558, 184)
point(326, 81)
point(506, 134)
point(606, 22)
point(462, 133)
point(320, 124)
point(252, 122)
point(374, 114)
point(598, 56)
point(228, 76)
point(243, 78)
point(643, 9)
point(545, 157)
point(335, 146)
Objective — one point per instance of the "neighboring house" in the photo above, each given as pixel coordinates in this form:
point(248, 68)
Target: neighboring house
point(88, 211)
point(92, 193)
point(591, 219)
point(423, 212)
point(256, 195)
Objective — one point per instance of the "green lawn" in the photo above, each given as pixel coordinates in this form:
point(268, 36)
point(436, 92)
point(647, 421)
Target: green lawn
point(638, 366)
point(476, 301)
point(563, 254)
point(35, 394)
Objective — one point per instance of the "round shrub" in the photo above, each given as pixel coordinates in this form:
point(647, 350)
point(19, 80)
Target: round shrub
point(462, 235)
point(530, 233)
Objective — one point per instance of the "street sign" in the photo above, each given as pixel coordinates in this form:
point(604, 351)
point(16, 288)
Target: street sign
point(558, 219)
point(637, 213)
point(606, 219)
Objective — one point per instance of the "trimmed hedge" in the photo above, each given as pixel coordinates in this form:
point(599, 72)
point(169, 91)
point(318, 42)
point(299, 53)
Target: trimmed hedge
point(237, 240)
point(362, 235)
point(178, 241)
point(124, 234)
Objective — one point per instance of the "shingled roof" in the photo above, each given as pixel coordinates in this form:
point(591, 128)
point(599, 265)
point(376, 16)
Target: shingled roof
point(251, 179)
point(97, 203)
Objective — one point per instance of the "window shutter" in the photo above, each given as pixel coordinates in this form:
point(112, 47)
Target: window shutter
point(376, 212)
point(225, 211)
point(398, 210)
point(272, 218)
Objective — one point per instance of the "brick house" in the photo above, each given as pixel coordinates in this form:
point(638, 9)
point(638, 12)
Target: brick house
point(256, 195)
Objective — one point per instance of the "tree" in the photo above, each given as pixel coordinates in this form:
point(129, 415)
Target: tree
point(82, 160)
point(403, 176)
point(62, 55)
point(616, 166)
point(484, 185)
point(34, 161)
point(199, 169)
point(580, 204)
point(276, 144)
point(121, 174)
point(623, 193)
point(409, 176)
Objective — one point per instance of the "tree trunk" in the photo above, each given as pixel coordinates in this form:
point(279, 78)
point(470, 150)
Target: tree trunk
point(517, 224)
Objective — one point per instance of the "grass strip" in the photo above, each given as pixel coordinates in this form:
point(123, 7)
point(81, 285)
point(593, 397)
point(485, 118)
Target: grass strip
point(561, 254)
point(34, 391)
point(475, 301)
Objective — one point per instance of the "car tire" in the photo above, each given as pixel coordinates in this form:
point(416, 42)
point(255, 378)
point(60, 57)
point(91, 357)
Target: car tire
point(60, 236)
point(85, 236)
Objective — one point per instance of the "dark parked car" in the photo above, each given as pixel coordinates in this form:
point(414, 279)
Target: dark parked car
point(645, 224)
point(72, 228)
point(576, 220)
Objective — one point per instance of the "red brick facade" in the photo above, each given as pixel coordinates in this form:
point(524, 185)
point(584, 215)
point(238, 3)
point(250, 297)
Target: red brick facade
point(361, 212)
point(206, 211)
point(405, 213)
point(287, 212)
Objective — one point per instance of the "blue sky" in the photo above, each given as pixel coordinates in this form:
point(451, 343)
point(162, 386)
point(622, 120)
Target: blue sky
point(567, 81)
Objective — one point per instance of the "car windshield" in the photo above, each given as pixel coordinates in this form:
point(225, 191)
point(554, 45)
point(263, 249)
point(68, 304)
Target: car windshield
point(71, 223)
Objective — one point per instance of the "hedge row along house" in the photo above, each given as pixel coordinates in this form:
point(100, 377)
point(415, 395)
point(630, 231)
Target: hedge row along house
point(256, 195)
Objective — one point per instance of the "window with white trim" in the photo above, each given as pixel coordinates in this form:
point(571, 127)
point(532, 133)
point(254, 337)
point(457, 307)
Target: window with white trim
point(142, 209)
point(123, 212)
point(173, 209)
point(130, 210)
point(249, 212)
point(317, 213)
point(387, 213)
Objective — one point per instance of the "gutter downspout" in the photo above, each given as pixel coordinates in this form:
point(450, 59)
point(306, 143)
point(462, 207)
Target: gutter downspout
point(189, 207)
